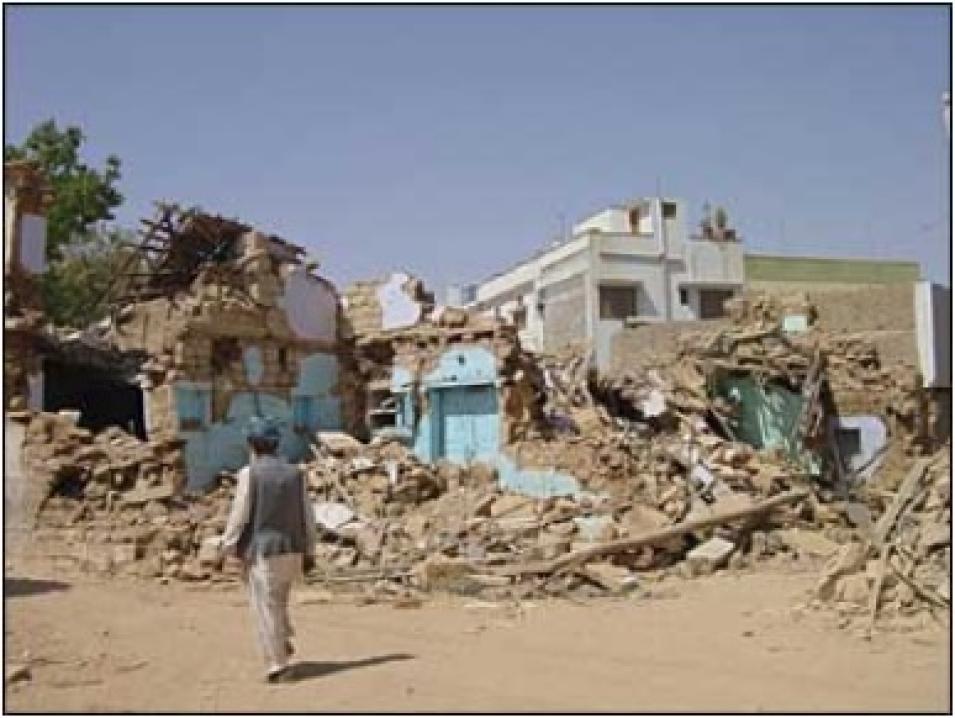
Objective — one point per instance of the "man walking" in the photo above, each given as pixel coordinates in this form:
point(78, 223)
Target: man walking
point(271, 529)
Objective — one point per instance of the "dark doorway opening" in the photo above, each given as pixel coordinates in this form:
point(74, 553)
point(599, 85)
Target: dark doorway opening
point(711, 302)
point(102, 399)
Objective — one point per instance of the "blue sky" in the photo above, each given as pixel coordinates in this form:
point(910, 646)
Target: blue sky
point(453, 141)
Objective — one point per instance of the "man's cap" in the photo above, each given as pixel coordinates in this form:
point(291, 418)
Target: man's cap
point(263, 428)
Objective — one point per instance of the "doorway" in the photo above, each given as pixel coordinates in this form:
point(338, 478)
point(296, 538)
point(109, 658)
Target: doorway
point(102, 398)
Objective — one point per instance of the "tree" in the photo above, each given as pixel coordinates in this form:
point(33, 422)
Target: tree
point(82, 195)
point(81, 253)
point(77, 287)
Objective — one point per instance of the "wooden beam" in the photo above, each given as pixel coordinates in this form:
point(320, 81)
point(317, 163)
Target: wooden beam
point(653, 537)
point(877, 588)
point(906, 490)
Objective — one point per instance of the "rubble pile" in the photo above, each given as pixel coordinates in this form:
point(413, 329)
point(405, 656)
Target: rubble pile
point(378, 480)
point(655, 427)
point(764, 310)
point(385, 515)
point(166, 537)
point(900, 562)
point(858, 379)
point(105, 469)
point(507, 545)
point(116, 502)
point(664, 482)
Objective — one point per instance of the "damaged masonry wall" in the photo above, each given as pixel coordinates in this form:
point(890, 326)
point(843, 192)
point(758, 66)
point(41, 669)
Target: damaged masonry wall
point(26, 197)
point(394, 302)
point(451, 386)
point(669, 492)
point(240, 328)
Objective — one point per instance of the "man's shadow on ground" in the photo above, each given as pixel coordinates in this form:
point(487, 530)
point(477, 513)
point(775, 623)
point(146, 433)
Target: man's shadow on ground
point(304, 670)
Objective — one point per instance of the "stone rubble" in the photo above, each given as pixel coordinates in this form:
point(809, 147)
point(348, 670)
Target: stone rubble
point(899, 564)
point(649, 447)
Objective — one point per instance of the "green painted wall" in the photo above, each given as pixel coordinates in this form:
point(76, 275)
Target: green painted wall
point(768, 268)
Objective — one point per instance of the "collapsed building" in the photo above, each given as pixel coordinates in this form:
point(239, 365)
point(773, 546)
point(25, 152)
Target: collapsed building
point(210, 322)
point(719, 457)
point(441, 454)
point(234, 323)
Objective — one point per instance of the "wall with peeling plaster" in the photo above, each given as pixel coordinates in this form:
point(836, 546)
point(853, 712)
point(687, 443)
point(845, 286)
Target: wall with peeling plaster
point(398, 309)
point(454, 413)
point(213, 446)
point(310, 305)
point(220, 363)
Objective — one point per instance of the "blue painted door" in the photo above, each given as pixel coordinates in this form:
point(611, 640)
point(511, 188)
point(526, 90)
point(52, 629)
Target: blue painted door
point(469, 426)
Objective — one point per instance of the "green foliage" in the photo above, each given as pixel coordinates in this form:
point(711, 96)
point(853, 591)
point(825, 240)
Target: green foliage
point(82, 257)
point(83, 196)
point(77, 286)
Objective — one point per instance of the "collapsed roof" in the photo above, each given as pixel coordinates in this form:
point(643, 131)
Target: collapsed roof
point(178, 244)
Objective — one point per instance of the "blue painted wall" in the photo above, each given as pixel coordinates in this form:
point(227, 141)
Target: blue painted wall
point(539, 483)
point(314, 405)
point(463, 366)
point(218, 446)
point(463, 421)
point(462, 417)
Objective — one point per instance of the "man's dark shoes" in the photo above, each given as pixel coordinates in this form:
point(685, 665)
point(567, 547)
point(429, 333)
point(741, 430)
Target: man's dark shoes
point(281, 675)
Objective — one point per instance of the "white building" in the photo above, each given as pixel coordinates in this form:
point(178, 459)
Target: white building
point(627, 264)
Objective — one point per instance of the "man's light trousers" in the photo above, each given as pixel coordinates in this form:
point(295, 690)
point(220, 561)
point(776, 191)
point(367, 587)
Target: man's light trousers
point(269, 580)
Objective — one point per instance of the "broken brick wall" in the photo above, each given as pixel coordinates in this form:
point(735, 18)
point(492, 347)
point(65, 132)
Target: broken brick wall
point(393, 302)
point(221, 352)
point(884, 312)
point(409, 368)
point(653, 344)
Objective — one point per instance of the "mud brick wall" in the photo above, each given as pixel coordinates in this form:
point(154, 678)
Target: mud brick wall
point(148, 326)
point(653, 344)
point(852, 308)
point(884, 312)
point(201, 339)
point(362, 312)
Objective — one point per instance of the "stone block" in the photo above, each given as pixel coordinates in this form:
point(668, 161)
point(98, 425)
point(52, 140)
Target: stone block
point(616, 579)
point(144, 496)
point(512, 505)
point(209, 552)
point(808, 543)
point(711, 555)
point(853, 589)
point(439, 573)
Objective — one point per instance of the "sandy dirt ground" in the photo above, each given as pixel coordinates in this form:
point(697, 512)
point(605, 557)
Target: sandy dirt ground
point(733, 642)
